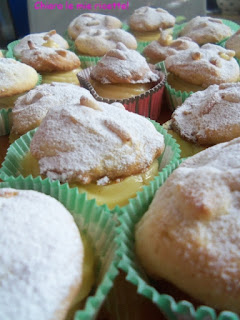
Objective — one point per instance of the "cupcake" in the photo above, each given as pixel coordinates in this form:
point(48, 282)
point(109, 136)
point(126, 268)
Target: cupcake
point(123, 75)
point(192, 241)
point(165, 46)
point(145, 22)
point(90, 21)
point(233, 43)
point(62, 258)
point(97, 43)
point(207, 118)
point(42, 256)
point(206, 30)
point(59, 65)
point(47, 39)
point(30, 109)
point(16, 78)
point(194, 70)
point(108, 153)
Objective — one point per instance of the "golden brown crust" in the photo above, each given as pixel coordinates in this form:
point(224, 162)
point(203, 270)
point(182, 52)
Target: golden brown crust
point(46, 59)
point(210, 64)
point(206, 30)
point(165, 46)
point(122, 65)
point(91, 140)
point(190, 234)
point(99, 42)
point(233, 43)
point(50, 39)
point(211, 116)
point(150, 19)
point(16, 77)
point(89, 21)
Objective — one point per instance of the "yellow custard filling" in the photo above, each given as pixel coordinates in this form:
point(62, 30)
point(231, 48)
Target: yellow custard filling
point(188, 149)
point(181, 85)
point(8, 102)
point(112, 194)
point(67, 76)
point(88, 277)
point(147, 35)
point(120, 90)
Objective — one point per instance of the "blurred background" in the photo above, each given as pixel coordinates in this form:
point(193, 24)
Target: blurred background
point(19, 17)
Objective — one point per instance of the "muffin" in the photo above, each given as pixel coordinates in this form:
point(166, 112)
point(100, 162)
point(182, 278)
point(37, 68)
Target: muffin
point(99, 260)
point(100, 148)
point(90, 21)
point(15, 79)
point(233, 43)
point(145, 22)
point(46, 39)
point(98, 42)
point(206, 30)
point(190, 240)
point(123, 75)
point(30, 109)
point(207, 118)
point(195, 70)
point(53, 64)
point(165, 46)
point(42, 256)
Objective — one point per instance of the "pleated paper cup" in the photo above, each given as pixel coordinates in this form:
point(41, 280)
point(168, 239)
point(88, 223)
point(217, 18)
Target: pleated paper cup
point(145, 287)
point(12, 167)
point(99, 227)
point(5, 121)
point(147, 104)
point(175, 98)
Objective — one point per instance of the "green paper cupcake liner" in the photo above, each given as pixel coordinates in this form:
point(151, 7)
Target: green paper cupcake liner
point(136, 276)
point(178, 27)
point(175, 98)
point(5, 121)
point(11, 167)
point(92, 220)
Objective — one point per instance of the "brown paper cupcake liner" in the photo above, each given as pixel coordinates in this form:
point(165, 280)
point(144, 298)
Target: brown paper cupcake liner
point(147, 104)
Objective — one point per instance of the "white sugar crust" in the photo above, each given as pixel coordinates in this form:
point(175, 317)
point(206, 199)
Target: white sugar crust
point(38, 40)
point(45, 59)
point(211, 116)
point(150, 19)
point(87, 141)
point(206, 29)
point(159, 51)
point(210, 64)
point(30, 109)
point(16, 77)
point(41, 256)
point(98, 42)
point(123, 65)
point(191, 233)
point(90, 21)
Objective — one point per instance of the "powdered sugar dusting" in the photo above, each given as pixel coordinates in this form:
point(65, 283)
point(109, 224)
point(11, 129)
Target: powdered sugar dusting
point(88, 141)
point(31, 108)
point(150, 19)
point(210, 64)
point(16, 76)
point(123, 65)
point(197, 211)
point(41, 255)
point(38, 39)
point(206, 29)
point(210, 116)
